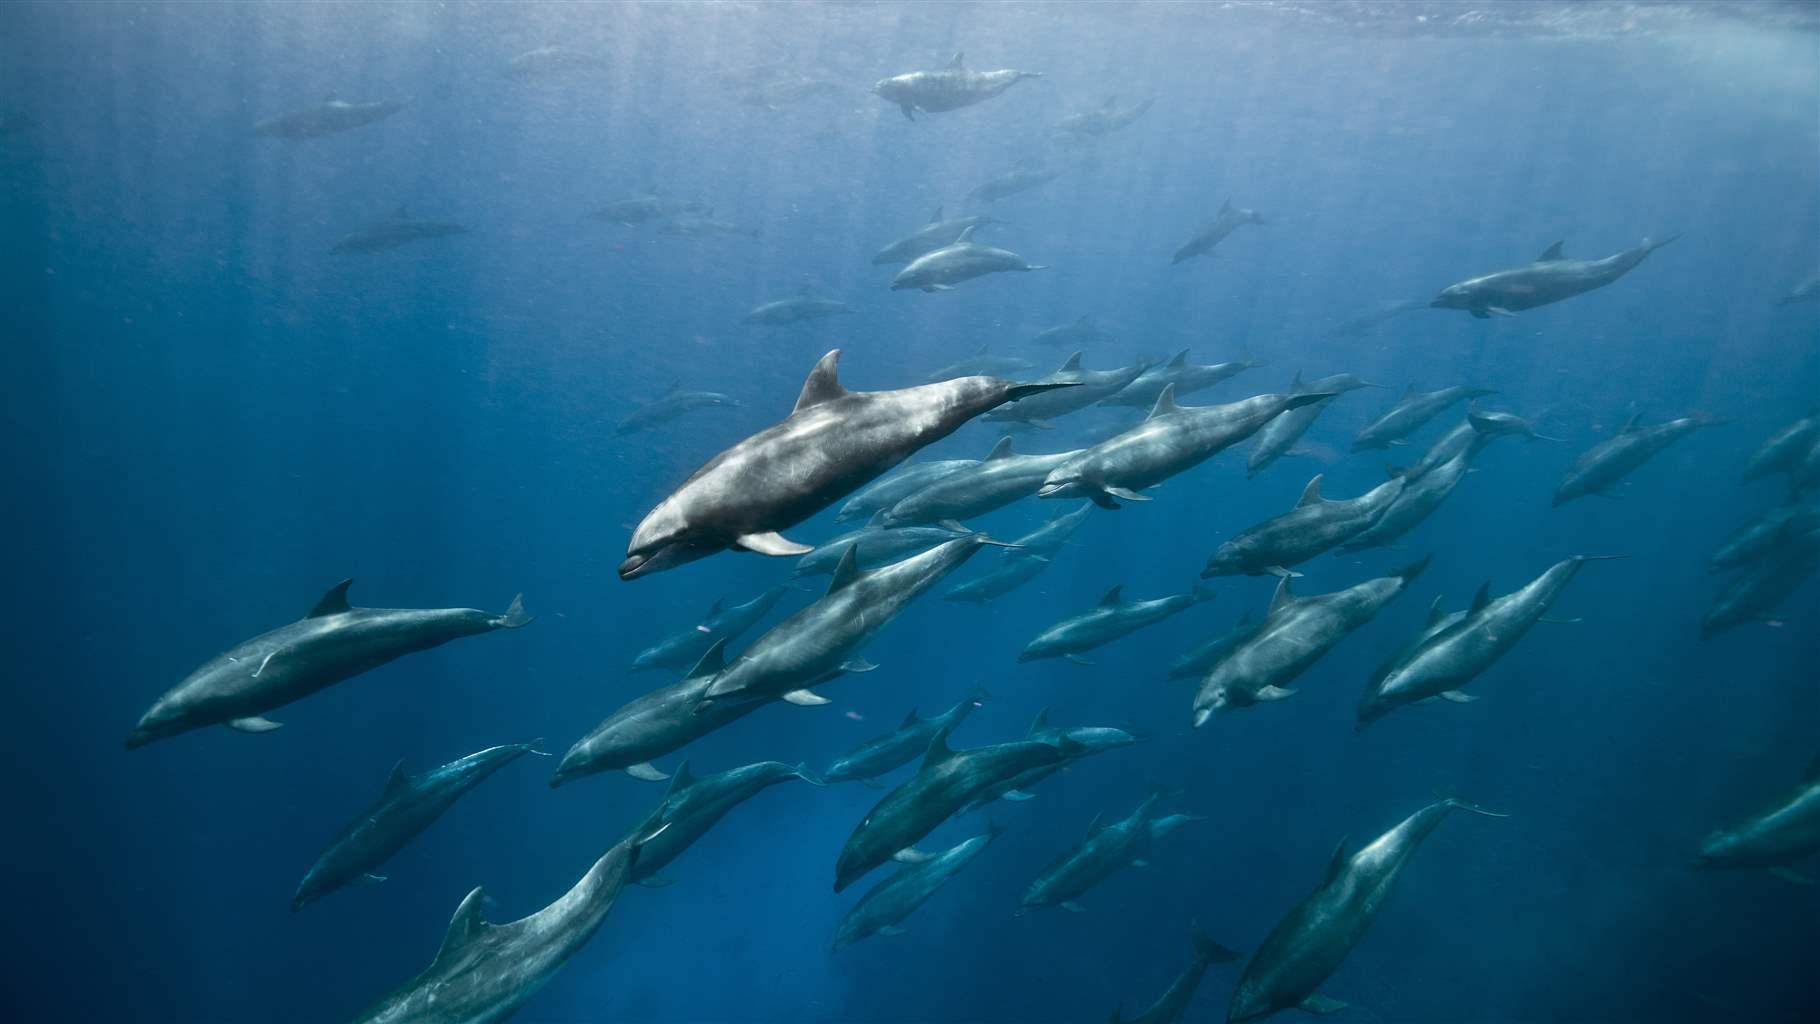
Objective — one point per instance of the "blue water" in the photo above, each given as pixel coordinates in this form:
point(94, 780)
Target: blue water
point(210, 420)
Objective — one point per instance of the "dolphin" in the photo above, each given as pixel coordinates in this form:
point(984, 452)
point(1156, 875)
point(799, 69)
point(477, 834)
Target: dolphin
point(961, 260)
point(1012, 182)
point(1316, 524)
point(824, 640)
point(332, 115)
point(1175, 1001)
point(1785, 449)
point(1420, 498)
point(1295, 634)
point(998, 480)
point(897, 485)
point(1471, 437)
point(801, 307)
point(547, 60)
point(1314, 938)
point(1142, 393)
point(882, 910)
point(1774, 838)
point(1225, 222)
point(1084, 740)
point(1024, 562)
point(674, 403)
point(981, 363)
point(484, 972)
point(947, 781)
point(1113, 618)
point(332, 643)
point(723, 622)
point(644, 209)
point(951, 88)
point(1105, 119)
point(692, 806)
point(1551, 278)
point(900, 746)
point(876, 544)
point(1085, 331)
point(1605, 463)
point(1450, 654)
point(1278, 437)
point(1094, 385)
point(1197, 662)
point(1806, 474)
point(408, 805)
point(834, 441)
point(1410, 413)
point(939, 233)
point(390, 234)
point(1755, 593)
point(1172, 439)
point(1807, 291)
point(1780, 527)
point(1106, 850)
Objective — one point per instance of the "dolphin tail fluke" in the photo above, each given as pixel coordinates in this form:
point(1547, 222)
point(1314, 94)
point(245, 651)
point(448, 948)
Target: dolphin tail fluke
point(1414, 569)
point(1207, 950)
point(1456, 802)
point(515, 616)
point(1649, 245)
point(536, 747)
point(1201, 594)
point(804, 773)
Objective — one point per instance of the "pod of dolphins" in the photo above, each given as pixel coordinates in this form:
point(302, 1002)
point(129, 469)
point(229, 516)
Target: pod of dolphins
point(853, 452)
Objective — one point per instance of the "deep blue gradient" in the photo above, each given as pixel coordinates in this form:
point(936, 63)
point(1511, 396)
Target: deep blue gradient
point(210, 420)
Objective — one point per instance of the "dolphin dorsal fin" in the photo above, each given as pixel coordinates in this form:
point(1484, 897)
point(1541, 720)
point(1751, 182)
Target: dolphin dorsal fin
point(823, 384)
point(1073, 362)
point(1630, 423)
point(1480, 599)
point(1336, 863)
point(1226, 207)
point(1282, 597)
point(334, 602)
point(465, 926)
point(1435, 614)
point(847, 571)
point(958, 62)
point(1001, 450)
point(878, 518)
point(939, 750)
point(395, 781)
point(331, 96)
point(1551, 254)
point(1296, 385)
point(966, 234)
point(1165, 402)
point(1311, 495)
point(714, 609)
point(909, 718)
point(680, 781)
point(805, 290)
point(1180, 360)
point(936, 216)
point(711, 662)
point(1112, 598)
point(1041, 722)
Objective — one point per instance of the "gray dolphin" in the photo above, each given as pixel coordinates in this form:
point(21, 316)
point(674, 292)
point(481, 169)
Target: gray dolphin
point(1085, 331)
point(1142, 393)
point(882, 910)
point(1471, 437)
point(951, 88)
point(333, 642)
point(1452, 652)
point(1113, 618)
point(897, 485)
point(674, 403)
point(834, 441)
point(1780, 527)
point(1551, 278)
point(1025, 562)
point(900, 746)
point(1421, 496)
point(484, 972)
point(1106, 850)
point(1012, 182)
point(1315, 525)
point(1104, 119)
point(939, 233)
point(1611, 460)
point(723, 622)
point(961, 260)
point(1411, 413)
point(1199, 660)
point(982, 362)
point(1001, 478)
point(1755, 593)
point(644, 209)
point(1295, 634)
point(1174, 1002)
point(876, 543)
point(824, 640)
point(692, 806)
point(1317, 934)
point(332, 115)
point(1278, 437)
point(1785, 448)
point(1225, 222)
point(1774, 838)
point(408, 805)
point(1085, 740)
point(1093, 385)
point(386, 235)
point(1172, 439)
point(1807, 291)
point(799, 308)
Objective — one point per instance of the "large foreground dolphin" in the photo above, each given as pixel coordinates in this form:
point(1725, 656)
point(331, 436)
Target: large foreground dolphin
point(1551, 278)
point(335, 641)
point(834, 441)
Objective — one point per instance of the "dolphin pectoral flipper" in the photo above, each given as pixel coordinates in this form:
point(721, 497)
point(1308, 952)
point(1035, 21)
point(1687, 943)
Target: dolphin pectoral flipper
point(656, 882)
point(1499, 311)
point(1318, 1003)
point(890, 929)
point(773, 544)
point(1456, 697)
point(253, 724)
point(1016, 795)
point(1078, 660)
point(645, 771)
point(857, 664)
point(372, 879)
point(1073, 907)
point(1126, 494)
point(911, 855)
point(806, 699)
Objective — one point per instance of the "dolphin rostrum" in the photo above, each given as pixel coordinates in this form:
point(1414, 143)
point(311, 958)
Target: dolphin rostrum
point(1113, 618)
point(1610, 460)
point(1551, 278)
point(1316, 524)
point(882, 910)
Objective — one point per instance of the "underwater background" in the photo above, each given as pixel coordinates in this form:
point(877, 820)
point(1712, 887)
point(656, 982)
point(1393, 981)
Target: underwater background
point(211, 419)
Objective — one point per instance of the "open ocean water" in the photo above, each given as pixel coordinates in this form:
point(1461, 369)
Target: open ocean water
point(215, 411)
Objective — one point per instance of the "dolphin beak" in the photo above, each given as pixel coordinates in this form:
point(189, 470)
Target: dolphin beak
point(634, 566)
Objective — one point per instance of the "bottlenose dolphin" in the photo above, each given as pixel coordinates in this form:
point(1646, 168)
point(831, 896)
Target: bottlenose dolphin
point(801, 307)
point(961, 260)
point(876, 543)
point(484, 972)
point(1278, 437)
point(1105, 119)
point(900, 746)
point(834, 441)
point(1551, 278)
point(1316, 524)
point(1756, 592)
point(1187, 379)
point(999, 479)
point(1470, 437)
point(1296, 633)
point(1172, 439)
point(1082, 332)
point(1024, 562)
point(1106, 850)
point(1113, 618)
point(390, 234)
point(723, 622)
point(1774, 838)
point(1204, 656)
point(882, 910)
point(1610, 460)
point(981, 363)
point(1224, 223)
point(1086, 740)
point(1314, 938)
point(333, 642)
point(1782, 526)
point(647, 208)
point(674, 403)
point(939, 233)
point(692, 806)
point(1012, 182)
point(408, 805)
point(1411, 413)
point(332, 115)
point(1091, 386)
point(1421, 496)
point(953, 87)
point(897, 485)
point(824, 640)
point(1452, 652)
point(1785, 448)
point(1175, 1000)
